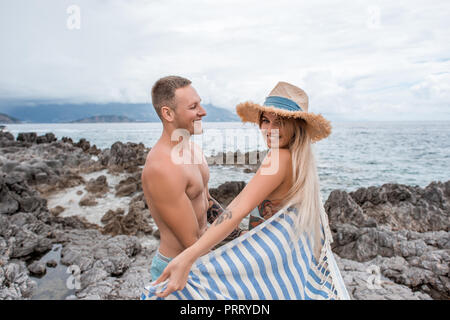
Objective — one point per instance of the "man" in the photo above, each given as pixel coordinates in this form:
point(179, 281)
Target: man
point(175, 177)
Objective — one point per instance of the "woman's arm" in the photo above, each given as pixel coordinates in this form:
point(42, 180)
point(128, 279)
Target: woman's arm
point(259, 187)
point(214, 211)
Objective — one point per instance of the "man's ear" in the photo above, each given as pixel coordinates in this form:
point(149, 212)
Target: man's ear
point(167, 113)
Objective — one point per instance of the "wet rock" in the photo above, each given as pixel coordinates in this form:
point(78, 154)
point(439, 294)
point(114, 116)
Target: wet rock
point(37, 268)
point(124, 157)
point(88, 201)
point(29, 137)
point(51, 263)
point(47, 138)
point(6, 136)
point(226, 192)
point(56, 211)
point(15, 195)
point(74, 222)
point(83, 144)
point(98, 186)
point(15, 283)
point(111, 215)
point(136, 221)
point(129, 186)
point(103, 264)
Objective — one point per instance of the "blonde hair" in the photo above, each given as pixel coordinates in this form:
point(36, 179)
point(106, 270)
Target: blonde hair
point(304, 194)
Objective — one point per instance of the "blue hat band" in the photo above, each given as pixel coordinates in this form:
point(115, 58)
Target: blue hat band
point(282, 103)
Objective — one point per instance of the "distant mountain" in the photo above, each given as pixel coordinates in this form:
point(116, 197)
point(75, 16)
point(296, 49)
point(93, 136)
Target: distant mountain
point(4, 118)
point(104, 118)
point(55, 113)
point(216, 114)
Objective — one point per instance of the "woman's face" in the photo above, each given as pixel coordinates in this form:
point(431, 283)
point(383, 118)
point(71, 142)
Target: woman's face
point(274, 133)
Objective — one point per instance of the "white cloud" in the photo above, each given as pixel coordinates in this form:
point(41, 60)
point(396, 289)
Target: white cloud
point(356, 60)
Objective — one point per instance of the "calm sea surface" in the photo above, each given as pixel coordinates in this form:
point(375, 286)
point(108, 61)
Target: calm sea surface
point(356, 154)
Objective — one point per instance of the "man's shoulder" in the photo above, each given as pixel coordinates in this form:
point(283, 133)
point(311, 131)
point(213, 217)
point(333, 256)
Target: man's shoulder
point(159, 167)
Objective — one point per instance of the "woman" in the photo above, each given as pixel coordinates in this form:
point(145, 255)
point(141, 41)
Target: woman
point(287, 177)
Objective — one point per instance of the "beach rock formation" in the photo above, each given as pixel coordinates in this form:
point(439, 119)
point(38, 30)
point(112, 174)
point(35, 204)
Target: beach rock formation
point(401, 229)
point(129, 186)
point(124, 157)
point(45, 163)
point(110, 267)
point(364, 281)
point(390, 242)
point(227, 191)
point(27, 231)
point(136, 222)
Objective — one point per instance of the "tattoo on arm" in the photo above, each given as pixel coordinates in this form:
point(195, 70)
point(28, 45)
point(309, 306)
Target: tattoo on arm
point(215, 215)
point(225, 215)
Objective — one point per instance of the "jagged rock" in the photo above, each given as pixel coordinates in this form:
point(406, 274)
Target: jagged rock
point(15, 283)
point(135, 222)
point(112, 215)
point(98, 186)
point(109, 258)
point(124, 157)
point(404, 228)
point(29, 137)
point(6, 136)
point(226, 192)
point(47, 138)
point(365, 281)
point(37, 268)
point(129, 186)
point(88, 201)
point(56, 211)
point(405, 207)
point(51, 263)
point(15, 195)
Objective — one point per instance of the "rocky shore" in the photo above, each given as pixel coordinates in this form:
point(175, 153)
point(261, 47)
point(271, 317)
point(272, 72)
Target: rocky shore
point(57, 197)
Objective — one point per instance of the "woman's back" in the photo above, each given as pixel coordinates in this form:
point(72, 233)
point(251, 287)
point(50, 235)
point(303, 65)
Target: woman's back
point(274, 201)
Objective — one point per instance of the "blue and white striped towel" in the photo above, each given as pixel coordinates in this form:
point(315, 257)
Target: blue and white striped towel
point(263, 264)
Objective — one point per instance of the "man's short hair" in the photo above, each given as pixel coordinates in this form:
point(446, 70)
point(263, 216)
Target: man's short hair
point(163, 92)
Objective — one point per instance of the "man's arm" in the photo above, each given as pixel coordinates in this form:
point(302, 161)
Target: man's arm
point(166, 186)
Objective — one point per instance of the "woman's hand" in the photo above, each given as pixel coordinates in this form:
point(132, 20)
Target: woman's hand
point(177, 272)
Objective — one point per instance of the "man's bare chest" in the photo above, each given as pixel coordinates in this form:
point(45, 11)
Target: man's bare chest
point(198, 177)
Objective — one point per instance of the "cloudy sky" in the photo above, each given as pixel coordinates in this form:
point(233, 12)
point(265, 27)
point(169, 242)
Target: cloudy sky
point(371, 60)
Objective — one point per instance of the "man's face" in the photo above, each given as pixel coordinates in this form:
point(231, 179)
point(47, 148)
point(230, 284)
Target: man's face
point(188, 111)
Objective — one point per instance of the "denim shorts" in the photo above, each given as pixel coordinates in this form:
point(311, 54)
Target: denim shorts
point(159, 263)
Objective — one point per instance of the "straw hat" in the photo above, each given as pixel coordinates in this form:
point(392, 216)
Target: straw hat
point(289, 101)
